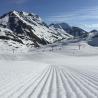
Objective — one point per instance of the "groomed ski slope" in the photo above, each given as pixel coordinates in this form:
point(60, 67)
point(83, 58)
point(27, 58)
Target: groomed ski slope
point(48, 75)
point(52, 82)
point(61, 79)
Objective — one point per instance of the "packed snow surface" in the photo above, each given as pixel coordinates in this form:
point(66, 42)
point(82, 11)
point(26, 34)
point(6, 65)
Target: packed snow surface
point(59, 72)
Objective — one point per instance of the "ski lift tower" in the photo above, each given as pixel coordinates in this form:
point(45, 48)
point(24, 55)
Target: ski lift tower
point(13, 50)
point(79, 46)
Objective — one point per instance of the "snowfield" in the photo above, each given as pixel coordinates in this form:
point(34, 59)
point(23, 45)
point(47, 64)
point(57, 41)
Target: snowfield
point(61, 72)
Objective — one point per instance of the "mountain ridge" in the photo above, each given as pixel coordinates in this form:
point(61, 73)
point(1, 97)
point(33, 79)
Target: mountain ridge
point(30, 30)
point(29, 26)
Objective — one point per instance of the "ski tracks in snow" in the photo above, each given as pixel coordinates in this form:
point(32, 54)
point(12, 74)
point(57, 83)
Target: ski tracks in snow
point(54, 82)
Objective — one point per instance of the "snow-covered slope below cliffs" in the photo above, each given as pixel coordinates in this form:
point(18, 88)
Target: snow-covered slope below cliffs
point(7, 34)
point(11, 47)
point(29, 26)
point(9, 42)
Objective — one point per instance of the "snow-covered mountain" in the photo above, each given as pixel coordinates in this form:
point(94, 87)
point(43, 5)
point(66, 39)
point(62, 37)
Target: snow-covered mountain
point(74, 31)
point(28, 28)
point(59, 30)
point(63, 26)
point(78, 32)
point(93, 38)
point(18, 28)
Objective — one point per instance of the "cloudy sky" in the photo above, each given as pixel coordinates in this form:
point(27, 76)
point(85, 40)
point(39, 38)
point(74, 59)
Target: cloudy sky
point(82, 13)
